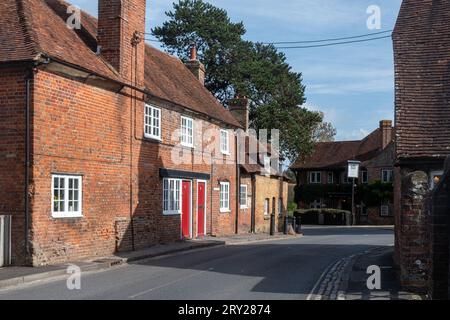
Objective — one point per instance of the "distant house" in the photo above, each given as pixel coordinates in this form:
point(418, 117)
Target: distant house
point(263, 186)
point(422, 68)
point(322, 180)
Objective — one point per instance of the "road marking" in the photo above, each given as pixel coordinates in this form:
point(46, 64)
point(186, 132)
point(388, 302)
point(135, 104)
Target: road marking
point(169, 283)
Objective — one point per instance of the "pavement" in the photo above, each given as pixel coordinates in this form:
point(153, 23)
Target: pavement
point(347, 278)
point(13, 276)
point(282, 269)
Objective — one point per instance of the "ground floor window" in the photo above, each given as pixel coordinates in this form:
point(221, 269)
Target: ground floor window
point(66, 196)
point(243, 196)
point(224, 197)
point(171, 196)
point(266, 206)
point(435, 178)
point(385, 210)
point(280, 206)
point(317, 204)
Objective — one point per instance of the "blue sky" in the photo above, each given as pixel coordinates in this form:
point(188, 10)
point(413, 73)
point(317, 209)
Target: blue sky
point(352, 84)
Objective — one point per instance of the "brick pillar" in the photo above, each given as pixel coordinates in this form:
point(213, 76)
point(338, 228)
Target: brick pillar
point(412, 234)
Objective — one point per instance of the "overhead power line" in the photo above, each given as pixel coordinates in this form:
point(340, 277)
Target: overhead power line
point(331, 39)
point(333, 43)
point(320, 42)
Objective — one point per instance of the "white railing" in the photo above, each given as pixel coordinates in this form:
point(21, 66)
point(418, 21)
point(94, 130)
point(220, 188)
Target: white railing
point(5, 241)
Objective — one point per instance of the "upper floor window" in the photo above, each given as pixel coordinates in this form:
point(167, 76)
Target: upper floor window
point(315, 177)
point(387, 176)
point(187, 132)
point(330, 178)
point(243, 195)
point(171, 196)
point(152, 122)
point(345, 178)
point(224, 197)
point(66, 196)
point(224, 142)
point(435, 178)
point(364, 176)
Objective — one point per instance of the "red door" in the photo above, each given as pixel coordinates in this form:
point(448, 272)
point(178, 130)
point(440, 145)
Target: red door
point(186, 209)
point(201, 209)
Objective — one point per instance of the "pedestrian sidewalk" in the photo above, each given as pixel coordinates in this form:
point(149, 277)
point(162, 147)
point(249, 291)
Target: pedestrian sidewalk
point(254, 237)
point(12, 276)
point(354, 280)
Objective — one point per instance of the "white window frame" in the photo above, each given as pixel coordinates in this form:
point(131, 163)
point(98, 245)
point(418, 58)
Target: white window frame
point(432, 175)
point(152, 122)
point(316, 204)
point(362, 176)
point(316, 174)
point(171, 209)
point(224, 197)
point(224, 142)
point(266, 206)
point(385, 208)
point(330, 175)
point(382, 175)
point(244, 205)
point(187, 140)
point(67, 213)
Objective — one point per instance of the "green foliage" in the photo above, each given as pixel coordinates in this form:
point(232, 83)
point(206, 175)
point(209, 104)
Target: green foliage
point(375, 193)
point(292, 206)
point(235, 66)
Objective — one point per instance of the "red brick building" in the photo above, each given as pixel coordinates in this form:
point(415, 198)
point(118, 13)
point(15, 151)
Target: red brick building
point(422, 67)
point(106, 143)
point(324, 173)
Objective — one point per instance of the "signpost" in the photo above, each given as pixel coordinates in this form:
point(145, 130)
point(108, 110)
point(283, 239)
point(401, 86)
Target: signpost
point(353, 173)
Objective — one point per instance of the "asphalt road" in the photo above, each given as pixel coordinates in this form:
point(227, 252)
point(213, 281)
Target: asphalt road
point(285, 270)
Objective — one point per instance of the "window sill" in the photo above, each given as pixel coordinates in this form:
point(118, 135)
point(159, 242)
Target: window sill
point(67, 215)
point(187, 146)
point(171, 213)
point(226, 153)
point(225, 211)
point(244, 207)
point(151, 138)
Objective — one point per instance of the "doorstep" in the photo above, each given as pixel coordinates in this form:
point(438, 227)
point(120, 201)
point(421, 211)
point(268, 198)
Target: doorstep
point(13, 276)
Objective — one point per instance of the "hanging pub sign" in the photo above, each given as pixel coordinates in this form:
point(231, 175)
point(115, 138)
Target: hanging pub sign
point(353, 169)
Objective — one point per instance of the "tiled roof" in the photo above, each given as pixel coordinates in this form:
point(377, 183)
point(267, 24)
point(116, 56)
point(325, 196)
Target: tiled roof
point(31, 27)
point(422, 68)
point(336, 154)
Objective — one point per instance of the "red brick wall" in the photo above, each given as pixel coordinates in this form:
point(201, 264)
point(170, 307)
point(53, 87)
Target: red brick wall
point(86, 130)
point(12, 153)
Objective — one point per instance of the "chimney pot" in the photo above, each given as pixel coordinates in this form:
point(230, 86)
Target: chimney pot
point(193, 53)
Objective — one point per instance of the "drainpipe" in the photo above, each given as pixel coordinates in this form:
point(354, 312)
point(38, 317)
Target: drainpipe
point(253, 218)
point(28, 80)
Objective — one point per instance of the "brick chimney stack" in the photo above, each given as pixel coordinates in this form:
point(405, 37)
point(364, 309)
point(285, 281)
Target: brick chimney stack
point(121, 28)
point(386, 132)
point(197, 68)
point(240, 108)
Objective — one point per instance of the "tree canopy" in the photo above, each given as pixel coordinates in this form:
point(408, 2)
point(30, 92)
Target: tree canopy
point(235, 66)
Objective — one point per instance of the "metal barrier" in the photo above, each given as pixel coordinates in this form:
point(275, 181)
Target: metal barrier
point(294, 222)
point(5, 240)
